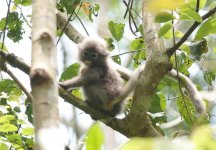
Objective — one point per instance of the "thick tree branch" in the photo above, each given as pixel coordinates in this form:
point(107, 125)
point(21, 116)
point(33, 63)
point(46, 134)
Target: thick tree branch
point(188, 33)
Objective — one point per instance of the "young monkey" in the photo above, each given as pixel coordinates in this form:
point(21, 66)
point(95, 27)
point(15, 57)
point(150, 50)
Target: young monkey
point(100, 81)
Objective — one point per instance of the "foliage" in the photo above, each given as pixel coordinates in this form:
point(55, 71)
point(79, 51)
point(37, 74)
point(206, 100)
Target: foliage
point(174, 17)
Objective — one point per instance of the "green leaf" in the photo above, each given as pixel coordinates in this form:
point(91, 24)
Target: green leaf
point(14, 137)
point(10, 87)
point(3, 146)
point(6, 118)
point(191, 16)
point(27, 131)
point(137, 44)
point(70, 72)
point(207, 28)
point(209, 77)
point(8, 128)
point(193, 3)
point(2, 23)
point(140, 28)
point(23, 2)
point(116, 29)
point(155, 105)
point(186, 109)
point(164, 29)
point(199, 48)
point(94, 138)
point(110, 44)
point(179, 34)
point(117, 59)
point(186, 49)
point(163, 17)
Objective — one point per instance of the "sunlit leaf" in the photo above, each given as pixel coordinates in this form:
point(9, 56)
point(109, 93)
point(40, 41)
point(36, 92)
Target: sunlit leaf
point(94, 138)
point(204, 138)
point(27, 131)
point(116, 29)
point(179, 34)
point(137, 44)
point(207, 28)
point(3, 146)
point(8, 128)
point(163, 17)
point(158, 5)
point(6, 118)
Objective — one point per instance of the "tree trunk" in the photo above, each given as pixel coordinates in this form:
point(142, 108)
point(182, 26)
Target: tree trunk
point(43, 76)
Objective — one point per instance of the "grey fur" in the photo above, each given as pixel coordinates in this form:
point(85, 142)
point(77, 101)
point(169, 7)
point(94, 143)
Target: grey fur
point(101, 83)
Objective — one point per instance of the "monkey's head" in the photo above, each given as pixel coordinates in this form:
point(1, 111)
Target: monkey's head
point(93, 52)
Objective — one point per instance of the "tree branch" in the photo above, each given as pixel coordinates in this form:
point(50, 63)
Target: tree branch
point(188, 33)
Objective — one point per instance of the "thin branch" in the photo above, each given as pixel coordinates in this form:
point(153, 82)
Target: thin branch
point(128, 52)
point(82, 24)
point(62, 31)
point(188, 33)
point(18, 83)
point(177, 70)
point(6, 21)
point(197, 5)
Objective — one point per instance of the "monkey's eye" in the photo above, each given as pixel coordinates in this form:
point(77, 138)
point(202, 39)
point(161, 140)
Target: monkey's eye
point(86, 54)
point(94, 55)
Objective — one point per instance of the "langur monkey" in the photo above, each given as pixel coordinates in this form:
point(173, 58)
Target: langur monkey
point(102, 84)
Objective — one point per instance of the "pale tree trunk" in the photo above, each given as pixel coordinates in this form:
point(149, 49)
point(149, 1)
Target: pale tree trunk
point(43, 76)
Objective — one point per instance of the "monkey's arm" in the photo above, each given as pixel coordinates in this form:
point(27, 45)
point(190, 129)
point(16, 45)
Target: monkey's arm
point(81, 80)
point(73, 83)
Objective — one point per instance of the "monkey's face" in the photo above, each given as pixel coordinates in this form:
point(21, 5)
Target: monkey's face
point(91, 57)
point(93, 52)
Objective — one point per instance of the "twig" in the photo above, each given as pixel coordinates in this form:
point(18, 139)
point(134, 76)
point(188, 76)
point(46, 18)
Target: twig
point(5, 69)
point(6, 21)
point(188, 33)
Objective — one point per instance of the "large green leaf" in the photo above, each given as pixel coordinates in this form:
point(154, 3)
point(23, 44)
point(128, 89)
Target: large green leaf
point(6, 118)
point(116, 29)
point(163, 17)
point(186, 109)
point(94, 138)
point(8, 128)
point(70, 72)
point(208, 27)
point(190, 15)
point(3, 146)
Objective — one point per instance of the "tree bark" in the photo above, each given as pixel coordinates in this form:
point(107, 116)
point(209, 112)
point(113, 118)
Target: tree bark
point(43, 76)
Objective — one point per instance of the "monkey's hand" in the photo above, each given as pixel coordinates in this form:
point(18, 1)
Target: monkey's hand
point(65, 86)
